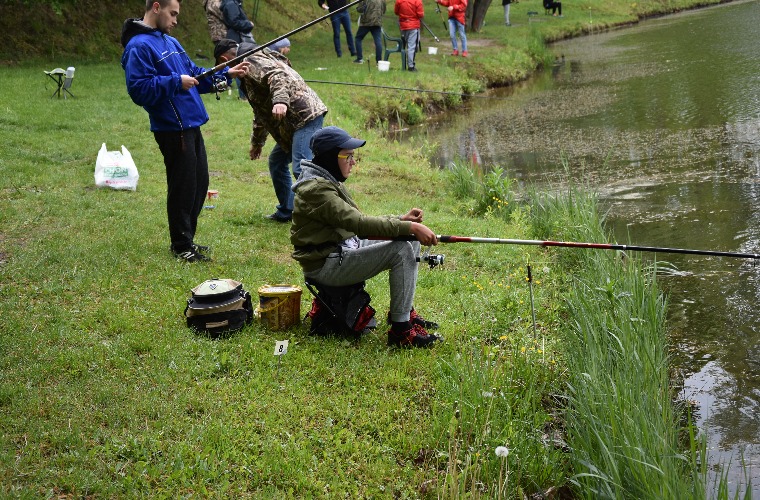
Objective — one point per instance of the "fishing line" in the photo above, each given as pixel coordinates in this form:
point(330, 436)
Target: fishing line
point(407, 89)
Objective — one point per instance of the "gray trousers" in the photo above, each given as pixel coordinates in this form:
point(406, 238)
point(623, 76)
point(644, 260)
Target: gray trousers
point(354, 265)
point(411, 38)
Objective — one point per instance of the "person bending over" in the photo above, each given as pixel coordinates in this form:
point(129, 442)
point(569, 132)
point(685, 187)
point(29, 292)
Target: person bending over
point(328, 235)
point(283, 107)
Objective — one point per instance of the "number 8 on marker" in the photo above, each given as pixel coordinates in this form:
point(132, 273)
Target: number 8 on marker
point(280, 347)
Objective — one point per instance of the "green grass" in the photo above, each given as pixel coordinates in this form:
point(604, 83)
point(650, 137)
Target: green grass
point(105, 392)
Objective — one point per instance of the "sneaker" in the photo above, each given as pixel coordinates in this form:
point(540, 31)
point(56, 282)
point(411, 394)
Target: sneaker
point(455, 53)
point(416, 319)
point(191, 256)
point(416, 336)
point(464, 54)
point(201, 248)
point(279, 218)
point(412, 69)
point(359, 61)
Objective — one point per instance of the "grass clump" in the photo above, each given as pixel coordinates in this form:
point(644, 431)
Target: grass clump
point(482, 192)
point(629, 438)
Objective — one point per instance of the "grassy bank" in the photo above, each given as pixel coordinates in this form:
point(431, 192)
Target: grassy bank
point(104, 392)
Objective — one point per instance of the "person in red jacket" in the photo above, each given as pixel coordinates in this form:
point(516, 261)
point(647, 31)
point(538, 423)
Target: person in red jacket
point(457, 9)
point(410, 13)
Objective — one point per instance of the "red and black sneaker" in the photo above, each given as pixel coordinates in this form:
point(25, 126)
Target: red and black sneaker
point(415, 336)
point(416, 319)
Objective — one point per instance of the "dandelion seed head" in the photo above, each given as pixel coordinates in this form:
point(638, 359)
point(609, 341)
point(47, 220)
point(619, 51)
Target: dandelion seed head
point(502, 451)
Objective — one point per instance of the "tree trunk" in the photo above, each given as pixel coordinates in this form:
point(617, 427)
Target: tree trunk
point(476, 13)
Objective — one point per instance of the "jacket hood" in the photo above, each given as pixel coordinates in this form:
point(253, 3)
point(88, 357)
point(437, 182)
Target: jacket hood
point(133, 27)
point(310, 171)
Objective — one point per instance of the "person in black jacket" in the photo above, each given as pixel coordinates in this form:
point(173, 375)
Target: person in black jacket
point(239, 27)
point(554, 6)
point(342, 18)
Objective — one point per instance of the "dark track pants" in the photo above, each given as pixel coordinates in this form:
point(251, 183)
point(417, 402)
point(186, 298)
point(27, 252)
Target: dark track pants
point(187, 182)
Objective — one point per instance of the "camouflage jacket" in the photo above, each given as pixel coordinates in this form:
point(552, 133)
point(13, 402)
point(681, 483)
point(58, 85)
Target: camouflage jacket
point(371, 12)
point(216, 28)
point(269, 81)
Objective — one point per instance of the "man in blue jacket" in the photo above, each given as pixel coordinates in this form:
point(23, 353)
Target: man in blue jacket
point(162, 79)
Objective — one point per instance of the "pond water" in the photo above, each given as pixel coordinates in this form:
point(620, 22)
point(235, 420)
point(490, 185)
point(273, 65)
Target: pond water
point(663, 121)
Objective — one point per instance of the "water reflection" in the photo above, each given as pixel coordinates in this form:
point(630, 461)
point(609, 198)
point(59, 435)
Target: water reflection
point(663, 120)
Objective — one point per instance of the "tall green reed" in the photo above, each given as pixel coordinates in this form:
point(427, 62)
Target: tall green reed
point(622, 425)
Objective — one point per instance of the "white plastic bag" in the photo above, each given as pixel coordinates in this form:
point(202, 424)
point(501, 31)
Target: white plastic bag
point(116, 169)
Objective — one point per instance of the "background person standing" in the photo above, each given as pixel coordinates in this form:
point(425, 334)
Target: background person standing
point(342, 18)
point(506, 4)
point(410, 13)
point(161, 78)
point(370, 21)
point(216, 28)
point(457, 9)
point(239, 27)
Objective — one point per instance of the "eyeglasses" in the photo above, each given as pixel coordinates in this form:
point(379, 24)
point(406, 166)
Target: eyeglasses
point(350, 158)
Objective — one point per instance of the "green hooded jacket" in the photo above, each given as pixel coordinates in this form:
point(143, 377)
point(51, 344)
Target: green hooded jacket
point(325, 215)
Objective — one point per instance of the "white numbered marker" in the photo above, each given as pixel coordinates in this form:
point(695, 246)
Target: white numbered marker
point(280, 347)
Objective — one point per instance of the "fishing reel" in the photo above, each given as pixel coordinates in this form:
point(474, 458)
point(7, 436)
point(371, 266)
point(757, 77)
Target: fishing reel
point(432, 260)
point(220, 85)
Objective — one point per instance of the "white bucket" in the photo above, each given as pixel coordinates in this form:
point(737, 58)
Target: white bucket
point(383, 65)
point(432, 50)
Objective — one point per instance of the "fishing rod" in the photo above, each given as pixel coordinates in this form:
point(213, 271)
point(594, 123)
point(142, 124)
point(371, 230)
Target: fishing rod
point(431, 31)
point(405, 88)
point(438, 10)
point(573, 244)
point(261, 47)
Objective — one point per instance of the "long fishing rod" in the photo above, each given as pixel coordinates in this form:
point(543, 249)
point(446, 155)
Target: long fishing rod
point(573, 244)
point(405, 88)
point(431, 31)
point(240, 57)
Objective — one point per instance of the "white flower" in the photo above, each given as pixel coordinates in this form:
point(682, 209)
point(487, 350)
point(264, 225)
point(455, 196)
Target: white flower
point(502, 451)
